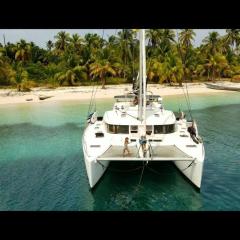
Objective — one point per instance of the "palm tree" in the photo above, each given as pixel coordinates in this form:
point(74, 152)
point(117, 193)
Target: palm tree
point(173, 68)
point(233, 38)
point(154, 39)
point(50, 45)
point(153, 36)
point(126, 43)
point(155, 70)
point(93, 43)
point(76, 42)
point(23, 51)
point(186, 37)
point(212, 43)
point(167, 38)
point(9, 51)
point(71, 75)
point(101, 69)
point(215, 64)
point(62, 40)
point(7, 74)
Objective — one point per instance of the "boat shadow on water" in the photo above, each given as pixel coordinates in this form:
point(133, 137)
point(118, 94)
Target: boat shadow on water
point(160, 185)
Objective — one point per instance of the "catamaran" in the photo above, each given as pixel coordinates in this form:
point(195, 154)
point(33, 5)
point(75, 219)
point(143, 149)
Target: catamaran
point(139, 124)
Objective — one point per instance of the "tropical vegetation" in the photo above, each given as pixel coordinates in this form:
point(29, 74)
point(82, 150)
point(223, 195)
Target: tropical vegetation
point(73, 60)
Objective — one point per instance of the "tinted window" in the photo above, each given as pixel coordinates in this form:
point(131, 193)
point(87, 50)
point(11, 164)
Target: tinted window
point(123, 129)
point(118, 129)
point(170, 128)
point(164, 129)
point(111, 128)
point(149, 130)
point(158, 129)
point(134, 129)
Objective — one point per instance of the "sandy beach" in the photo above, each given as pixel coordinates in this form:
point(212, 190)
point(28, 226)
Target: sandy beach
point(11, 96)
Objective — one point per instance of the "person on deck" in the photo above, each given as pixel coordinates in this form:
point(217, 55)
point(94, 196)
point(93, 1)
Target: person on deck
point(193, 134)
point(143, 143)
point(135, 101)
point(126, 149)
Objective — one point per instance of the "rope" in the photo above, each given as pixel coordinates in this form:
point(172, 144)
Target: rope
point(143, 167)
point(187, 166)
point(127, 114)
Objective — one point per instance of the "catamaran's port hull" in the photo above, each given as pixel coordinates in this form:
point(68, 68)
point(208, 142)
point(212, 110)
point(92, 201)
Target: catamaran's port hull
point(95, 169)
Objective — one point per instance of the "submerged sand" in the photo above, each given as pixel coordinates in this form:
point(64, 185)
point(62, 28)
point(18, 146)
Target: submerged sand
point(8, 96)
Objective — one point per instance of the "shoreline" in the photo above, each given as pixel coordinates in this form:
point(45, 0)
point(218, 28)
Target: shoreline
point(10, 96)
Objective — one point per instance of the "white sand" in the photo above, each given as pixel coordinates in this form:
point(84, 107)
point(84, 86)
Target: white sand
point(8, 96)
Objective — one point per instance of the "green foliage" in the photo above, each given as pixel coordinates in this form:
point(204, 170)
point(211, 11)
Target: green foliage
point(72, 60)
point(36, 72)
point(116, 80)
point(7, 74)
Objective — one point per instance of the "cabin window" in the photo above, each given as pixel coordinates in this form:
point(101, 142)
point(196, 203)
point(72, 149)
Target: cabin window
point(158, 129)
point(134, 129)
point(99, 134)
point(111, 128)
point(100, 118)
point(170, 128)
point(114, 129)
point(164, 129)
point(149, 130)
point(123, 129)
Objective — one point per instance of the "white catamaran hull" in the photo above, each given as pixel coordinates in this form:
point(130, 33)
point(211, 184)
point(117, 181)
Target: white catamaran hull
point(95, 170)
point(193, 173)
point(191, 169)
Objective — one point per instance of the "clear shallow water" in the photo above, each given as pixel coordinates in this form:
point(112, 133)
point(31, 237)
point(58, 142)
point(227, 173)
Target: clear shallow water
point(42, 167)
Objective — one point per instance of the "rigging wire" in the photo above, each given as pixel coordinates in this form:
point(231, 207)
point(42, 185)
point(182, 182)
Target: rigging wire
point(93, 95)
point(186, 95)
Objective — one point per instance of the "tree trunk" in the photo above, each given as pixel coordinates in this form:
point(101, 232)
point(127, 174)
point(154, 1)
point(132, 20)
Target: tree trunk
point(213, 75)
point(103, 83)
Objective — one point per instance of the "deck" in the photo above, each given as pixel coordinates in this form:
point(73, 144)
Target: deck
point(159, 153)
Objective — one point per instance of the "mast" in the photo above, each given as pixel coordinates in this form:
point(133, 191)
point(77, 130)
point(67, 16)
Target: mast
point(142, 81)
point(140, 103)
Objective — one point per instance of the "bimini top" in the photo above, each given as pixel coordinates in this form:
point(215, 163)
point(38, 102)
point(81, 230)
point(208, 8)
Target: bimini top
point(130, 97)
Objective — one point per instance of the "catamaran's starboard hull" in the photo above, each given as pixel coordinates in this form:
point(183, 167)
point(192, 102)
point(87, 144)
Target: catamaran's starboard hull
point(192, 172)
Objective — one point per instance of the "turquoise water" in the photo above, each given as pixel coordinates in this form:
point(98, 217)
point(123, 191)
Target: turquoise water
point(42, 167)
